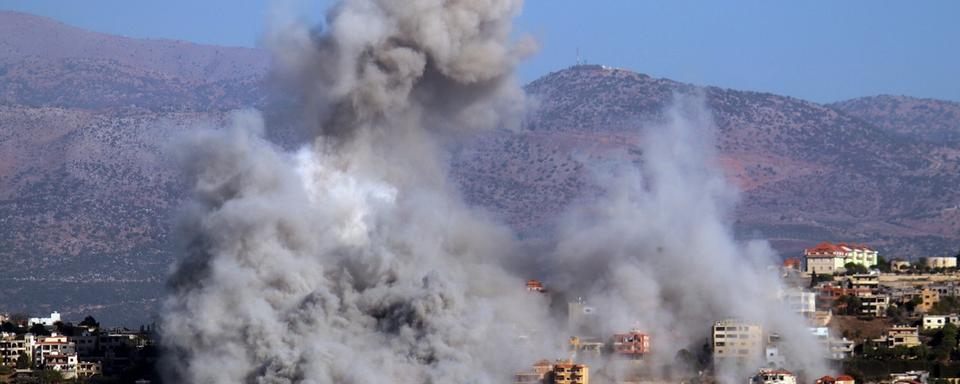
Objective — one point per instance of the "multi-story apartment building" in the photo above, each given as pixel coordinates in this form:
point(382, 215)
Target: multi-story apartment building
point(901, 335)
point(800, 301)
point(829, 258)
point(875, 305)
point(13, 346)
point(737, 342)
point(52, 345)
point(928, 298)
point(632, 345)
point(568, 372)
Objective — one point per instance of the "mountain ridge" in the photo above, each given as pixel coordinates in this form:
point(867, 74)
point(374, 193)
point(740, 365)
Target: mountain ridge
point(87, 191)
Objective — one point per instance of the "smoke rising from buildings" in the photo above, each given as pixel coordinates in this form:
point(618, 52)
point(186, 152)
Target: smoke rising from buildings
point(352, 259)
point(656, 251)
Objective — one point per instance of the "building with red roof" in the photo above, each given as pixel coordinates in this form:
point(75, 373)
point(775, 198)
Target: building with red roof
point(829, 258)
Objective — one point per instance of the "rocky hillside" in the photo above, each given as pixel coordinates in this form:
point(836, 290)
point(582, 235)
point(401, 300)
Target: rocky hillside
point(807, 171)
point(88, 191)
point(928, 119)
point(47, 63)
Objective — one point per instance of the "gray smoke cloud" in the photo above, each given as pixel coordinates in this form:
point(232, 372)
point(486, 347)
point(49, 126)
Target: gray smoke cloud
point(353, 260)
point(656, 250)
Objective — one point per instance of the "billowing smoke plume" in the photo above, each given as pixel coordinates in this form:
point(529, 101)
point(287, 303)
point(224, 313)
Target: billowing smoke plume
point(656, 251)
point(352, 260)
point(349, 261)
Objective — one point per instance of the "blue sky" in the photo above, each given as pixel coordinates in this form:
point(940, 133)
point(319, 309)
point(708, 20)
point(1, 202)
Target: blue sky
point(820, 50)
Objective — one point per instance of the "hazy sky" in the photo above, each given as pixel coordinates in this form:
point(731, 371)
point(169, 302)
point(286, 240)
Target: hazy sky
point(821, 50)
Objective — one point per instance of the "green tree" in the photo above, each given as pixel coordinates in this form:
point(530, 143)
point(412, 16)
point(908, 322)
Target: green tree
point(854, 268)
point(39, 330)
point(89, 321)
point(944, 342)
point(848, 305)
point(882, 264)
point(947, 305)
point(49, 376)
point(8, 327)
point(23, 361)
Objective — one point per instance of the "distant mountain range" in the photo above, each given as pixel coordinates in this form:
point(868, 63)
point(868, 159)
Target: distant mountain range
point(87, 193)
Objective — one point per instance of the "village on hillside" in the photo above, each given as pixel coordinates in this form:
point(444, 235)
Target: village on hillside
point(878, 320)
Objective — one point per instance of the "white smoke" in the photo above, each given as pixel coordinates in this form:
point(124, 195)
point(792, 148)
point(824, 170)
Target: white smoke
point(352, 260)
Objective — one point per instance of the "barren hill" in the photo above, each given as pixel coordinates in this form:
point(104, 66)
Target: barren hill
point(929, 119)
point(87, 191)
point(808, 171)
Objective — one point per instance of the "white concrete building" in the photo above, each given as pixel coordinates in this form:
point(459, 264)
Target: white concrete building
point(941, 262)
point(938, 321)
point(774, 376)
point(799, 301)
point(45, 321)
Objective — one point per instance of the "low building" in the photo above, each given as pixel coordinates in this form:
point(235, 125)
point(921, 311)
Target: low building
point(899, 265)
point(839, 347)
point(910, 377)
point(45, 321)
point(842, 379)
point(89, 369)
point(65, 363)
point(938, 321)
point(737, 342)
point(632, 345)
point(941, 262)
point(792, 263)
point(901, 335)
point(773, 376)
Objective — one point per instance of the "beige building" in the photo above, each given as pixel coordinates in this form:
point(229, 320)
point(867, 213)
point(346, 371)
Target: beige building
point(874, 305)
point(901, 335)
point(829, 258)
point(736, 342)
point(941, 262)
point(567, 372)
point(899, 265)
point(928, 298)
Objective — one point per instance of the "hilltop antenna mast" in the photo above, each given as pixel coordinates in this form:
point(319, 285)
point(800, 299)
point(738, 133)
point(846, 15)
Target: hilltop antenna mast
point(579, 61)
